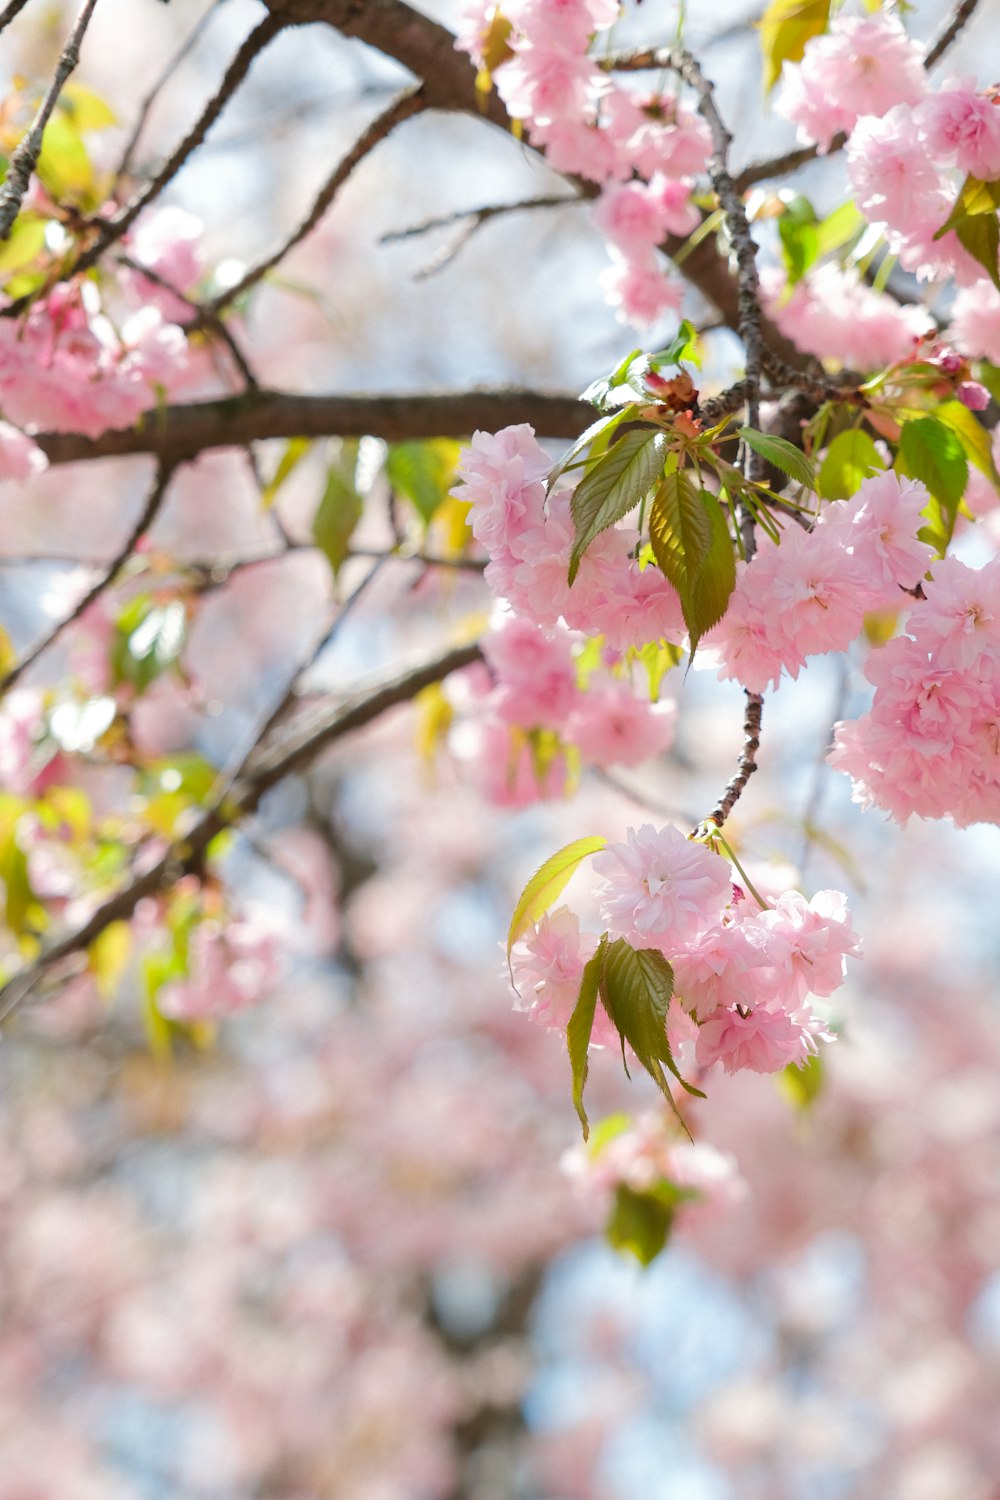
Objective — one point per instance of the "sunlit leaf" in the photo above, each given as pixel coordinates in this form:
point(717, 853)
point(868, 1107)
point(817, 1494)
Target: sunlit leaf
point(423, 472)
point(785, 28)
point(783, 454)
point(580, 1026)
point(693, 549)
point(851, 458)
point(613, 487)
point(547, 884)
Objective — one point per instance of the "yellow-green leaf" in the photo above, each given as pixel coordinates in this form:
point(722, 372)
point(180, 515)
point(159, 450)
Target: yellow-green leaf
point(785, 28)
point(548, 883)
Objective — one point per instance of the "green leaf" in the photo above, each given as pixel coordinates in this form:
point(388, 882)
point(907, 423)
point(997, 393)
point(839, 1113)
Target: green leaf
point(337, 515)
point(107, 957)
point(581, 1024)
point(851, 458)
point(423, 472)
point(547, 883)
point(604, 426)
point(25, 244)
point(635, 989)
point(658, 657)
point(295, 451)
point(598, 392)
point(785, 28)
point(803, 1085)
point(839, 228)
point(931, 452)
point(693, 549)
point(87, 109)
point(974, 220)
point(639, 1223)
point(64, 163)
point(799, 237)
point(614, 486)
point(783, 454)
point(972, 435)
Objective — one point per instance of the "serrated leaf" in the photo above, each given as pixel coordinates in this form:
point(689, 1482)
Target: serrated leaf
point(580, 1026)
point(337, 515)
point(603, 426)
point(614, 486)
point(635, 989)
point(783, 454)
point(548, 883)
point(851, 458)
point(785, 28)
point(931, 452)
point(693, 549)
point(423, 472)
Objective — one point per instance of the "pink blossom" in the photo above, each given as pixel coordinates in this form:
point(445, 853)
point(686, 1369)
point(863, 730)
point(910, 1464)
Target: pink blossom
point(232, 966)
point(536, 675)
point(20, 456)
point(611, 726)
point(961, 128)
point(548, 968)
point(833, 314)
point(662, 889)
point(502, 476)
point(863, 65)
point(764, 1040)
point(894, 181)
point(975, 321)
point(816, 937)
point(640, 289)
point(880, 524)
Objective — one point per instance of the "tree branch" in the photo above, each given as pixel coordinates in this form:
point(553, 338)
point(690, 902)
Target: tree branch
point(956, 21)
point(403, 107)
point(293, 751)
point(154, 500)
point(178, 433)
point(25, 158)
point(746, 766)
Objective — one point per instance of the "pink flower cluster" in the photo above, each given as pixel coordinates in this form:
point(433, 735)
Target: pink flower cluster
point(233, 965)
point(68, 366)
point(529, 542)
point(930, 744)
point(834, 315)
point(810, 593)
point(592, 126)
point(648, 1153)
point(905, 169)
point(742, 974)
point(863, 65)
point(532, 683)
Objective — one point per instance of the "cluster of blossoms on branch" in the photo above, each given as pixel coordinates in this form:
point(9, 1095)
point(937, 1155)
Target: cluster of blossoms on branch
point(644, 149)
point(743, 971)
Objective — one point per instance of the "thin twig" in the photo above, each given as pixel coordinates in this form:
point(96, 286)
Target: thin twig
point(201, 317)
point(25, 158)
point(403, 107)
point(110, 230)
point(150, 98)
point(292, 752)
point(10, 11)
point(745, 767)
point(154, 500)
point(949, 31)
point(481, 215)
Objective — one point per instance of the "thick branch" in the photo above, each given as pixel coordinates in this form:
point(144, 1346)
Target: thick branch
point(296, 749)
point(179, 433)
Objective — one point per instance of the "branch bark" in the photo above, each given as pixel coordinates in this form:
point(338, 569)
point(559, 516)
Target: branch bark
point(180, 433)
